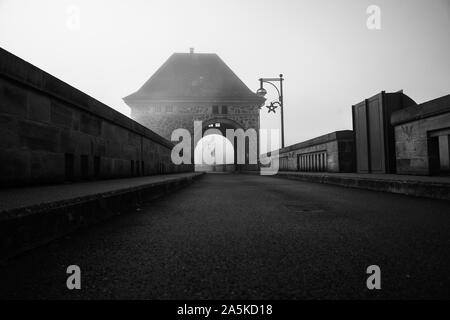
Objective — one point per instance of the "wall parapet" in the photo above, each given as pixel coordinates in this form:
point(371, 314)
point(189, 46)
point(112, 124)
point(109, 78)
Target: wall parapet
point(22, 72)
point(424, 110)
point(332, 152)
point(333, 136)
point(54, 133)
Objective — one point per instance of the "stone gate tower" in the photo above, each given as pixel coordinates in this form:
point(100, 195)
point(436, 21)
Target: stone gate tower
point(194, 86)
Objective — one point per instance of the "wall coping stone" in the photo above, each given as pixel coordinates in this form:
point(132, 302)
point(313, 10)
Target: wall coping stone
point(20, 71)
point(425, 110)
point(333, 136)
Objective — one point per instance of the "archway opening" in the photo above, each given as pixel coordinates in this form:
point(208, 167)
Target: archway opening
point(214, 153)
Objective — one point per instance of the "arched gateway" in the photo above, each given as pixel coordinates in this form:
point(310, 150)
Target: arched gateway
point(192, 87)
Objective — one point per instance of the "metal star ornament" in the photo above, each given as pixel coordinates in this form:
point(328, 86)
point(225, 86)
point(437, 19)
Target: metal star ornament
point(272, 107)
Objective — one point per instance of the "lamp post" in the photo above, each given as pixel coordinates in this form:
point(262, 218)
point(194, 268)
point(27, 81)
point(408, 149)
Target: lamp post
point(274, 104)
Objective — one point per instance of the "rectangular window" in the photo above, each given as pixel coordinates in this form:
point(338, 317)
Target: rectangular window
point(158, 108)
point(215, 109)
point(224, 109)
point(132, 168)
point(169, 108)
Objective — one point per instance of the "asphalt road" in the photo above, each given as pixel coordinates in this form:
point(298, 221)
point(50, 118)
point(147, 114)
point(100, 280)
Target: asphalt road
point(250, 237)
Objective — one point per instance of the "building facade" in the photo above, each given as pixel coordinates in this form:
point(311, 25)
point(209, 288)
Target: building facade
point(192, 87)
point(332, 152)
point(422, 138)
point(374, 134)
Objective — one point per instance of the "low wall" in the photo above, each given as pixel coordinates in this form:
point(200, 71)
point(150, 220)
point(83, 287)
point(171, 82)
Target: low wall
point(414, 130)
point(37, 221)
point(426, 187)
point(333, 152)
point(51, 133)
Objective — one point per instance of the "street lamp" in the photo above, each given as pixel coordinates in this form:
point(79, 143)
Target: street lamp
point(274, 104)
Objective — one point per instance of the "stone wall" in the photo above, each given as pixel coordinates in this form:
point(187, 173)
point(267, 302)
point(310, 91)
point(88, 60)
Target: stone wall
point(52, 133)
point(333, 152)
point(414, 129)
point(164, 118)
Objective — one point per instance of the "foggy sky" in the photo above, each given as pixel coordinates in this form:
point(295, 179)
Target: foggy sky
point(328, 56)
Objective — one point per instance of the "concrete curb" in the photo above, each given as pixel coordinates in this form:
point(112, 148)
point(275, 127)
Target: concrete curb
point(26, 228)
point(433, 190)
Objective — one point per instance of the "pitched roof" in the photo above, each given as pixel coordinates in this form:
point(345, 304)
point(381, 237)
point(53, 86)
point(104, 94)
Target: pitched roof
point(194, 77)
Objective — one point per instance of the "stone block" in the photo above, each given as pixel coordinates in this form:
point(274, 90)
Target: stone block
point(112, 149)
point(9, 132)
point(37, 136)
point(129, 152)
point(134, 139)
point(406, 132)
point(83, 142)
point(38, 107)
point(65, 91)
point(108, 130)
point(47, 167)
point(76, 120)
point(106, 167)
point(61, 114)
point(419, 164)
point(411, 148)
point(13, 99)
point(99, 147)
point(67, 142)
point(15, 167)
point(90, 124)
point(411, 165)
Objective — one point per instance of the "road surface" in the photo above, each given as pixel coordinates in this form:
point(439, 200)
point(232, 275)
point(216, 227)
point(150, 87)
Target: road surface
point(249, 237)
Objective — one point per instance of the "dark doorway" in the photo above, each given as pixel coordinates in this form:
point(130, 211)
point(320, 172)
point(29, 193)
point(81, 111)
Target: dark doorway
point(433, 155)
point(97, 167)
point(439, 152)
point(84, 165)
point(69, 166)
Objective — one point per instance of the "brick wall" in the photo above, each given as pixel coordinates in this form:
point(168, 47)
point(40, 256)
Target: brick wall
point(51, 132)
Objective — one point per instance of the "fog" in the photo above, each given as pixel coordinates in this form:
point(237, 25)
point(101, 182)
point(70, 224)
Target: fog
point(329, 57)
